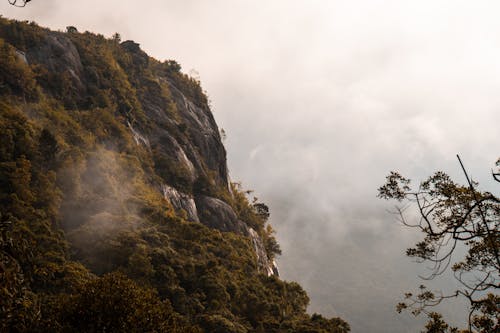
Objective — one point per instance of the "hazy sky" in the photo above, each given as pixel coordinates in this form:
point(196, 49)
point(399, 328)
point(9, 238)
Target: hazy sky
point(320, 100)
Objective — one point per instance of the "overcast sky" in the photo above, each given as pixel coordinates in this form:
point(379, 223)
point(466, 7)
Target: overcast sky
point(320, 100)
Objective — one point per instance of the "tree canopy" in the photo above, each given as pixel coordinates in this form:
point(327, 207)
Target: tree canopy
point(453, 217)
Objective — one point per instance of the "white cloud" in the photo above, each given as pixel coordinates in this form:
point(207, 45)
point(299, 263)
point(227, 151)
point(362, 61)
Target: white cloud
point(320, 99)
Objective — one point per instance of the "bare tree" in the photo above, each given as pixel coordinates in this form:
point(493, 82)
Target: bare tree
point(453, 216)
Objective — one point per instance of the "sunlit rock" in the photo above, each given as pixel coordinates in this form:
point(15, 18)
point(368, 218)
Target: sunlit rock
point(263, 262)
point(181, 202)
point(138, 137)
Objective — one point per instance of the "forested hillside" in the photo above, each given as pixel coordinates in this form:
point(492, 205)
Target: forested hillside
point(116, 209)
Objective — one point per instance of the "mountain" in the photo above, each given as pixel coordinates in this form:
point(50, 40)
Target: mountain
point(116, 209)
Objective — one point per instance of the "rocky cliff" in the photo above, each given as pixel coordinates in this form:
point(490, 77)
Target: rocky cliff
point(177, 129)
point(114, 178)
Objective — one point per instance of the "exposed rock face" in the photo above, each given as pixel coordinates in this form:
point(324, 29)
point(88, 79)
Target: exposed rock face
point(181, 202)
point(180, 130)
point(275, 268)
point(197, 145)
point(217, 214)
point(260, 251)
point(138, 137)
point(140, 57)
point(190, 136)
point(22, 56)
point(58, 54)
point(204, 135)
point(168, 145)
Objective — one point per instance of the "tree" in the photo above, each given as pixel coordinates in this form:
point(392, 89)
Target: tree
point(112, 303)
point(117, 38)
point(71, 29)
point(452, 217)
point(19, 3)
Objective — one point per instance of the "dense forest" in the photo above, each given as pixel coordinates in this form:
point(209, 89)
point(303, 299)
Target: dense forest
point(116, 209)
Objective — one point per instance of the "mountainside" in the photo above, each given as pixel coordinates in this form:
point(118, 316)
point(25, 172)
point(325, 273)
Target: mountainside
point(116, 209)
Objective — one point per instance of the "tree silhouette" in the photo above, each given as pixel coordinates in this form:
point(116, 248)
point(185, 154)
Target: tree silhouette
point(454, 216)
point(19, 3)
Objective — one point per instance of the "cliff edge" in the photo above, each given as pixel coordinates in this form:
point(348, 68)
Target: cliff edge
point(116, 209)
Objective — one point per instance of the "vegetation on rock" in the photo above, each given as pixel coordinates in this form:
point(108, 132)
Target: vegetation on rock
point(90, 130)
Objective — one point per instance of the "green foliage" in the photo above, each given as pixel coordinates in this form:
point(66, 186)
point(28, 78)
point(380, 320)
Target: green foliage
point(107, 82)
point(436, 324)
point(112, 303)
point(270, 243)
point(245, 210)
point(18, 305)
point(191, 87)
point(204, 185)
point(255, 215)
point(454, 216)
point(218, 323)
point(16, 77)
point(32, 248)
point(87, 241)
point(21, 35)
point(171, 66)
point(487, 311)
point(173, 172)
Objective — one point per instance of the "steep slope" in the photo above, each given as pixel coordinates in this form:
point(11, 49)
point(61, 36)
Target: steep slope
point(114, 186)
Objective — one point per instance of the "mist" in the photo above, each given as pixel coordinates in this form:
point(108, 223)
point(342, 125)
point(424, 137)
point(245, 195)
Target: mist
point(320, 100)
point(99, 205)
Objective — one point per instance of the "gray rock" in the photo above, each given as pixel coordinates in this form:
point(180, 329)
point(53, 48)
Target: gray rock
point(190, 136)
point(217, 214)
point(204, 142)
point(58, 54)
point(139, 138)
point(182, 131)
point(275, 268)
point(181, 202)
point(22, 56)
point(263, 263)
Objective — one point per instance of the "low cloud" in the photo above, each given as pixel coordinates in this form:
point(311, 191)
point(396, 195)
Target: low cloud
point(320, 100)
